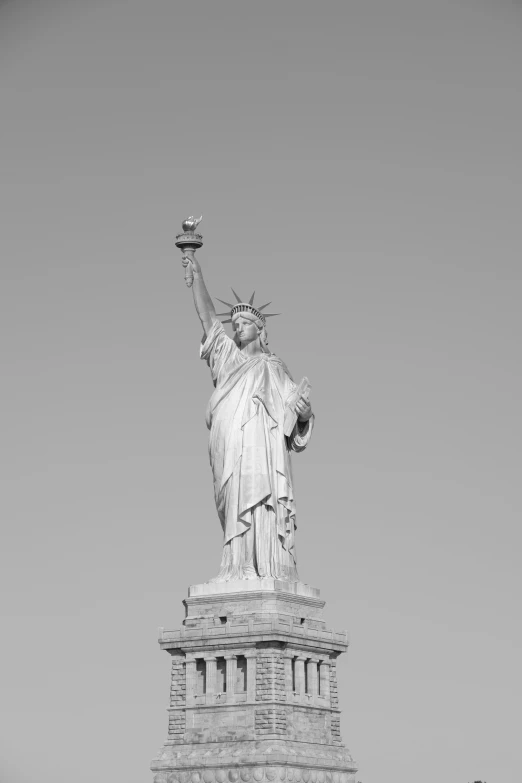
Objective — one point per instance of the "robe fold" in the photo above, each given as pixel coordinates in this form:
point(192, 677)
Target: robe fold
point(250, 459)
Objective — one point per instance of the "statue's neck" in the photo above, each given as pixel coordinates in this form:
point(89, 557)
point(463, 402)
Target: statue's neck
point(251, 349)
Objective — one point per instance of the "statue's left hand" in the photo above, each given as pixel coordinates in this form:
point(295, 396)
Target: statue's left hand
point(303, 409)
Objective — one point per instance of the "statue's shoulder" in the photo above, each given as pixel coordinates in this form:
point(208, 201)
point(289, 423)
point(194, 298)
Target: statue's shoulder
point(279, 363)
point(217, 346)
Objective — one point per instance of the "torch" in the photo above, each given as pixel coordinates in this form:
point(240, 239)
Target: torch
point(189, 242)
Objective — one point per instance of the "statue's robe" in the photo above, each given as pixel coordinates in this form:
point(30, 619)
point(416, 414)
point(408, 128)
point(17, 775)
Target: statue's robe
point(250, 459)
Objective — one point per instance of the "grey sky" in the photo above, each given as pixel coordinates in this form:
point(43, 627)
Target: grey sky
point(357, 163)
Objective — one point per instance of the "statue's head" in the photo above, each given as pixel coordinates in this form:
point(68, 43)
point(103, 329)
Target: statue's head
point(248, 322)
point(248, 328)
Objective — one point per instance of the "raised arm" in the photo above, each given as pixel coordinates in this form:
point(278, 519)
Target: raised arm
point(202, 301)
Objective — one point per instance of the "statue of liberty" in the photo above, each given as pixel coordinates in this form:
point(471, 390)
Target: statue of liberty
point(247, 416)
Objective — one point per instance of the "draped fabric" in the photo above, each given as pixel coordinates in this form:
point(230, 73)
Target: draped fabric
point(250, 459)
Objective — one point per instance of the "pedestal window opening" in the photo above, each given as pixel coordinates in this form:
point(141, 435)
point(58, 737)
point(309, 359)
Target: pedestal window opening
point(201, 677)
point(241, 674)
point(221, 675)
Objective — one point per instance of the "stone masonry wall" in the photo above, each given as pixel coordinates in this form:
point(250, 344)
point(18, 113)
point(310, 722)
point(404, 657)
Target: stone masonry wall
point(177, 698)
point(279, 675)
point(334, 701)
point(270, 673)
point(305, 724)
point(270, 686)
point(270, 720)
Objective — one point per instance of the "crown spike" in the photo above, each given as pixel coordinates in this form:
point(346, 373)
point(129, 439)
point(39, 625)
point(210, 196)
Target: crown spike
point(251, 300)
point(270, 315)
point(237, 297)
point(227, 304)
point(228, 321)
point(263, 306)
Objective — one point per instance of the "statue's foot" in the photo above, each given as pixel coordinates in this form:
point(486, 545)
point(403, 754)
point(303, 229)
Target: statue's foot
point(233, 574)
point(226, 574)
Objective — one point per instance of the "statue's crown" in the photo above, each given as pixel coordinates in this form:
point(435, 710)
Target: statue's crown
point(245, 307)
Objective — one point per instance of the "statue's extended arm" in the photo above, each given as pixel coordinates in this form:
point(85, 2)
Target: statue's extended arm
point(202, 300)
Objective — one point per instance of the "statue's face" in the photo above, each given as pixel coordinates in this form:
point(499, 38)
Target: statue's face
point(245, 329)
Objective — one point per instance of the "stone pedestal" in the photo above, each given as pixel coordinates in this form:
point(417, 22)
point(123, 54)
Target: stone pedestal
point(254, 690)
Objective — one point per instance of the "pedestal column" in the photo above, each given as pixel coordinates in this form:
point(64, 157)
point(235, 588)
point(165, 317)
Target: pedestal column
point(312, 679)
point(324, 674)
point(210, 662)
point(300, 676)
point(231, 677)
